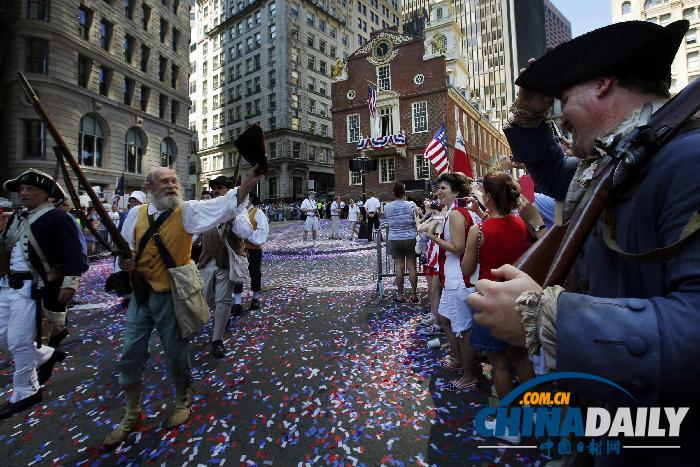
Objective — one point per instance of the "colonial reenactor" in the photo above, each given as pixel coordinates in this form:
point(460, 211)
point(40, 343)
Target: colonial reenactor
point(41, 263)
point(155, 307)
point(253, 246)
point(222, 251)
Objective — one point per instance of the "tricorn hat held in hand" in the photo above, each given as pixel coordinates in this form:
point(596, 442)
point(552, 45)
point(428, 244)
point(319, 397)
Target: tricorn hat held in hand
point(251, 145)
point(630, 49)
point(38, 179)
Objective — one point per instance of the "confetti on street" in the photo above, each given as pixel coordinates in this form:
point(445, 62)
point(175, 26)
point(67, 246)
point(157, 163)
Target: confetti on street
point(324, 374)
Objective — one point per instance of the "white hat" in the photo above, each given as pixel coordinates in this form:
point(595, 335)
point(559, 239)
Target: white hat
point(140, 196)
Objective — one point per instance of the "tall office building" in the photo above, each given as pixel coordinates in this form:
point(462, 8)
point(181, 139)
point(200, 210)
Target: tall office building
point(500, 36)
point(271, 62)
point(686, 66)
point(556, 26)
point(113, 78)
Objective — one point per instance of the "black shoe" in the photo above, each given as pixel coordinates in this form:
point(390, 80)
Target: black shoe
point(56, 339)
point(217, 349)
point(13, 408)
point(236, 310)
point(255, 304)
point(45, 370)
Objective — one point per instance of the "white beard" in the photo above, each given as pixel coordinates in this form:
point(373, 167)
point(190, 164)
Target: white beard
point(165, 202)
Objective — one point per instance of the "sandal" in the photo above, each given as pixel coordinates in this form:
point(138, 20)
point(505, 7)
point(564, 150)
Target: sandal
point(457, 385)
point(450, 364)
point(399, 300)
point(414, 299)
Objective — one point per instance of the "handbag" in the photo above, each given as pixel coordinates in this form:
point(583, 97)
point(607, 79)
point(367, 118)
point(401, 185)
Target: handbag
point(187, 289)
point(475, 276)
point(237, 267)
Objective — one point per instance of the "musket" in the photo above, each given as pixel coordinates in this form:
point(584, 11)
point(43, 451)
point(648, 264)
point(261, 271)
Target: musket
point(121, 245)
point(76, 200)
point(550, 260)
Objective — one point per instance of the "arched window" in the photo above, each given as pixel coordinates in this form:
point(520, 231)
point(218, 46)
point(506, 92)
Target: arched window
point(626, 8)
point(90, 142)
point(167, 153)
point(438, 13)
point(133, 149)
point(439, 44)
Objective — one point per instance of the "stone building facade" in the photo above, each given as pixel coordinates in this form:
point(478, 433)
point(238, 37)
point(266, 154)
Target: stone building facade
point(557, 27)
point(271, 62)
point(414, 98)
point(686, 66)
point(112, 77)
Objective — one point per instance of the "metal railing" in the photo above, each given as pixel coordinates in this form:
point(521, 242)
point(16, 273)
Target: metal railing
point(385, 262)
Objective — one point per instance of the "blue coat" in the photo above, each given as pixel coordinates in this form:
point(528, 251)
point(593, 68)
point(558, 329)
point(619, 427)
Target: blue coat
point(637, 323)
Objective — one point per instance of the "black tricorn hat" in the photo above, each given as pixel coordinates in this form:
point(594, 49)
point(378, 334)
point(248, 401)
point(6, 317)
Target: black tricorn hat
point(38, 179)
point(630, 49)
point(221, 181)
point(251, 145)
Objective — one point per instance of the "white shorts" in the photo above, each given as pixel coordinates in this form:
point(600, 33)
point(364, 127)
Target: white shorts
point(453, 306)
point(311, 223)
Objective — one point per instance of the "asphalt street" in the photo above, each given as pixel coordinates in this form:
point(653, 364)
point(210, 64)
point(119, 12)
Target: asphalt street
point(324, 374)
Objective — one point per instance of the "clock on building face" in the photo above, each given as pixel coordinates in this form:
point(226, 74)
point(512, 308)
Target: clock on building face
point(382, 49)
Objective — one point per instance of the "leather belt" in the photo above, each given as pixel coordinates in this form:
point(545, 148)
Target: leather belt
point(16, 279)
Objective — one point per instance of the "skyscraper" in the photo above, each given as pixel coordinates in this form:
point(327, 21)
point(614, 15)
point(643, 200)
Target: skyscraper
point(271, 62)
point(113, 78)
point(557, 26)
point(686, 66)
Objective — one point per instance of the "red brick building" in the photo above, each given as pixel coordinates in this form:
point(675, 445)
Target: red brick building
point(417, 91)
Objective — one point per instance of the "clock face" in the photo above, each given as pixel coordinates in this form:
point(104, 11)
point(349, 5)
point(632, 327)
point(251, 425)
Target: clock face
point(382, 49)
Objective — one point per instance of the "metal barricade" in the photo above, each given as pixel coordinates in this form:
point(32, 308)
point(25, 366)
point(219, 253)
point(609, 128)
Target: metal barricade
point(385, 263)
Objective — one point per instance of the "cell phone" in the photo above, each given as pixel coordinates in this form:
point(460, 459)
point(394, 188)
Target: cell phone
point(527, 187)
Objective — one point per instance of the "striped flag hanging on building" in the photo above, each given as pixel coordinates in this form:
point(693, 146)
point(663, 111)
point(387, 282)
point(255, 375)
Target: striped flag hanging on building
point(436, 151)
point(372, 101)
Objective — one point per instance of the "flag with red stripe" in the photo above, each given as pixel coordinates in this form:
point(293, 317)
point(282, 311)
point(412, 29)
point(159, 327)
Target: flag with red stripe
point(460, 158)
point(372, 101)
point(436, 151)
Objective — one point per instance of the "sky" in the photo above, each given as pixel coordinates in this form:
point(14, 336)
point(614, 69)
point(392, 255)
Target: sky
point(585, 15)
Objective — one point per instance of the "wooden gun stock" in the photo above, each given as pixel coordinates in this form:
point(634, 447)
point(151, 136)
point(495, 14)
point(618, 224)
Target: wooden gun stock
point(536, 261)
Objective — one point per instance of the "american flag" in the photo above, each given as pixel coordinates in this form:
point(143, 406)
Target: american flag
point(436, 151)
point(372, 101)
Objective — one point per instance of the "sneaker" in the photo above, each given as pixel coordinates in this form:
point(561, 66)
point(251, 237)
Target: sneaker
point(45, 370)
point(236, 309)
point(255, 304)
point(434, 343)
point(434, 330)
point(512, 439)
point(428, 321)
point(217, 349)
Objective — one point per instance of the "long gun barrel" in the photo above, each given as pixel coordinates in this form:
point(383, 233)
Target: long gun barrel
point(121, 245)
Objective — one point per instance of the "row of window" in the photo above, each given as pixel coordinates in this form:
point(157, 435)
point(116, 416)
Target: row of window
point(387, 170)
point(419, 119)
point(91, 145)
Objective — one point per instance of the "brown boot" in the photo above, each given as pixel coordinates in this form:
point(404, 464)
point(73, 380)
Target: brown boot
point(183, 406)
point(132, 414)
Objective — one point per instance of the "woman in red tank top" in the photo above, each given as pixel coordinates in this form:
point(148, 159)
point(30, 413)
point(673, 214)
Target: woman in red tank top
point(500, 239)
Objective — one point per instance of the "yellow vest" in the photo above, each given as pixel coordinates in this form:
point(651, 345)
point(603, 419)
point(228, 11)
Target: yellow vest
point(175, 238)
point(251, 216)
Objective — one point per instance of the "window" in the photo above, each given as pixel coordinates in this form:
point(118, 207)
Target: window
point(384, 77)
point(353, 128)
point(163, 30)
point(310, 19)
point(90, 142)
point(312, 127)
point(322, 87)
point(272, 150)
point(322, 67)
point(84, 23)
point(175, 39)
point(386, 121)
point(176, 6)
point(665, 19)
point(312, 153)
point(387, 170)
point(296, 123)
point(272, 8)
point(438, 13)
point(626, 8)
point(688, 13)
point(129, 8)
point(167, 153)
point(310, 41)
point(145, 56)
point(128, 48)
point(691, 37)
point(294, 101)
point(175, 111)
point(355, 177)
point(133, 148)
point(37, 56)
point(321, 25)
point(34, 140)
point(312, 106)
point(174, 72)
point(294, 9)
point(693, 61)
point(38, 9)
point(145, 16)
point(273, 32)
point(311, 62)
point(105, 34)
point(145, 94)
point(421, 169)
point(296, 149)
point(105, 79)
point(84, 71)
point(324, 129)
point(129, 85)
point(162, 67)
point(419, 111)
point(294, 78)
point(162, 105)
